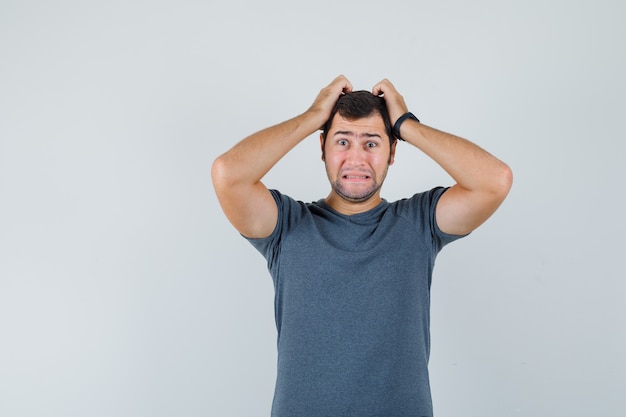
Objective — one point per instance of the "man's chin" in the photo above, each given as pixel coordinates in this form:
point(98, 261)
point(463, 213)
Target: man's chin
point(356, 197)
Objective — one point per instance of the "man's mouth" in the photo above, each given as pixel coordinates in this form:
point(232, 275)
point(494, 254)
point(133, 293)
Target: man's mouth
point(356, 177)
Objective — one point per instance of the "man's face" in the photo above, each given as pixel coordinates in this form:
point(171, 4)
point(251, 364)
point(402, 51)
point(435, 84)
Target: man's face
point(357, 155)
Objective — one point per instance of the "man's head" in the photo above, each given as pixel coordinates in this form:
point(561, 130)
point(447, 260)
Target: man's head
point(357, 148)
point(357, 105)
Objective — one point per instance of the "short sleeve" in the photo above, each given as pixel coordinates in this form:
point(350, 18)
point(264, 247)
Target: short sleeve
point(421, 210)
point(289, 213)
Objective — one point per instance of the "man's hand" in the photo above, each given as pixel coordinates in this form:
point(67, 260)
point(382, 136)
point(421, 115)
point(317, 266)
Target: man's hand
point(395, 102)
point(323, 105)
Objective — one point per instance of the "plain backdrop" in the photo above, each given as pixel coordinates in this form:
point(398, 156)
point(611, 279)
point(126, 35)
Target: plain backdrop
point(124, 291)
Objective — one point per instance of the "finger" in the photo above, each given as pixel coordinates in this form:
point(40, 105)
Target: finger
point(344, 83)
point(378, 90)
point(347, 88)
point(382, 87)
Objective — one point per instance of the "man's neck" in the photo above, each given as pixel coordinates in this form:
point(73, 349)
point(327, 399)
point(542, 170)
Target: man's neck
point(350, 208)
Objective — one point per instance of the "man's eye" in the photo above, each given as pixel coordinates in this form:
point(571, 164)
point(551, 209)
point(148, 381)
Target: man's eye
point(342, 142)
point(371, 144)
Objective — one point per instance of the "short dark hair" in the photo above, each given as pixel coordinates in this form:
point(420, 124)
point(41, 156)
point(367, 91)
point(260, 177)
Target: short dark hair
point(357, 105)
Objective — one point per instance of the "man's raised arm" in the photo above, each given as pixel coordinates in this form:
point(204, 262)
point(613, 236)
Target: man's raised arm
point(482, 180)
point(237, 174)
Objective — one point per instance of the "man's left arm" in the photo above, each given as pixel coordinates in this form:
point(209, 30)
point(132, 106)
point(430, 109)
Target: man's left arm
point(482, 180)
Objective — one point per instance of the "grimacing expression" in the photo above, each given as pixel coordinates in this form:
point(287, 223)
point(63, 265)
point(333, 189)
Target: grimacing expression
point(357, 154)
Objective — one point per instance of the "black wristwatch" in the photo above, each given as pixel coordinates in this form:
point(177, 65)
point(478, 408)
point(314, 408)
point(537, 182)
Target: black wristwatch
point(401, 119)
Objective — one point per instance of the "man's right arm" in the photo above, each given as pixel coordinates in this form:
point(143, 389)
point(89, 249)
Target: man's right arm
point(237, 174)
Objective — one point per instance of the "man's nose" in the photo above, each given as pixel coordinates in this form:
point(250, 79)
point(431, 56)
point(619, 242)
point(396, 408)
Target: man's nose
point(356, 155)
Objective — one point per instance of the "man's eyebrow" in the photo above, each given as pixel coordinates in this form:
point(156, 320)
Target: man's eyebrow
point(351, 133)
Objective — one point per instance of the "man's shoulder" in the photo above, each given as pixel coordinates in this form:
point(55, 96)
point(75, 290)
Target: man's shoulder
point(426, 197)
point(287, 200)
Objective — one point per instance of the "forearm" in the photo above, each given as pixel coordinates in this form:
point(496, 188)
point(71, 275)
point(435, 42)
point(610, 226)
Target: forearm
point(253, 157)
point(248, 161)
point(473, 168)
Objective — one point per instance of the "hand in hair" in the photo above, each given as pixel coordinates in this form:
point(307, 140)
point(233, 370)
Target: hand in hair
point(327, 97)
point(394, 100)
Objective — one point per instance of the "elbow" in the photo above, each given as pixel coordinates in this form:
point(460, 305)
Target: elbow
point(219, 172)
point(503, 181)
point(227, 174)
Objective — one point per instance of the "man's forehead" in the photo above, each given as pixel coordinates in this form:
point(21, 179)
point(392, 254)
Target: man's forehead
point(371, 124)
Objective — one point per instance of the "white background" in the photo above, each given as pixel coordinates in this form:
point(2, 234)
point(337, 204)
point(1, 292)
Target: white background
point(125, 292)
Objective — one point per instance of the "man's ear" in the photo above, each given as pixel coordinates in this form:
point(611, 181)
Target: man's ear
point(322, 146)
point(392, 152)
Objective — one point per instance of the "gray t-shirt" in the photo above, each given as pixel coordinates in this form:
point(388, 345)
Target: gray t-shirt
point(352, 307)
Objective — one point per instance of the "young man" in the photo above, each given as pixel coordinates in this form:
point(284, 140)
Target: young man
point(352, 272)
